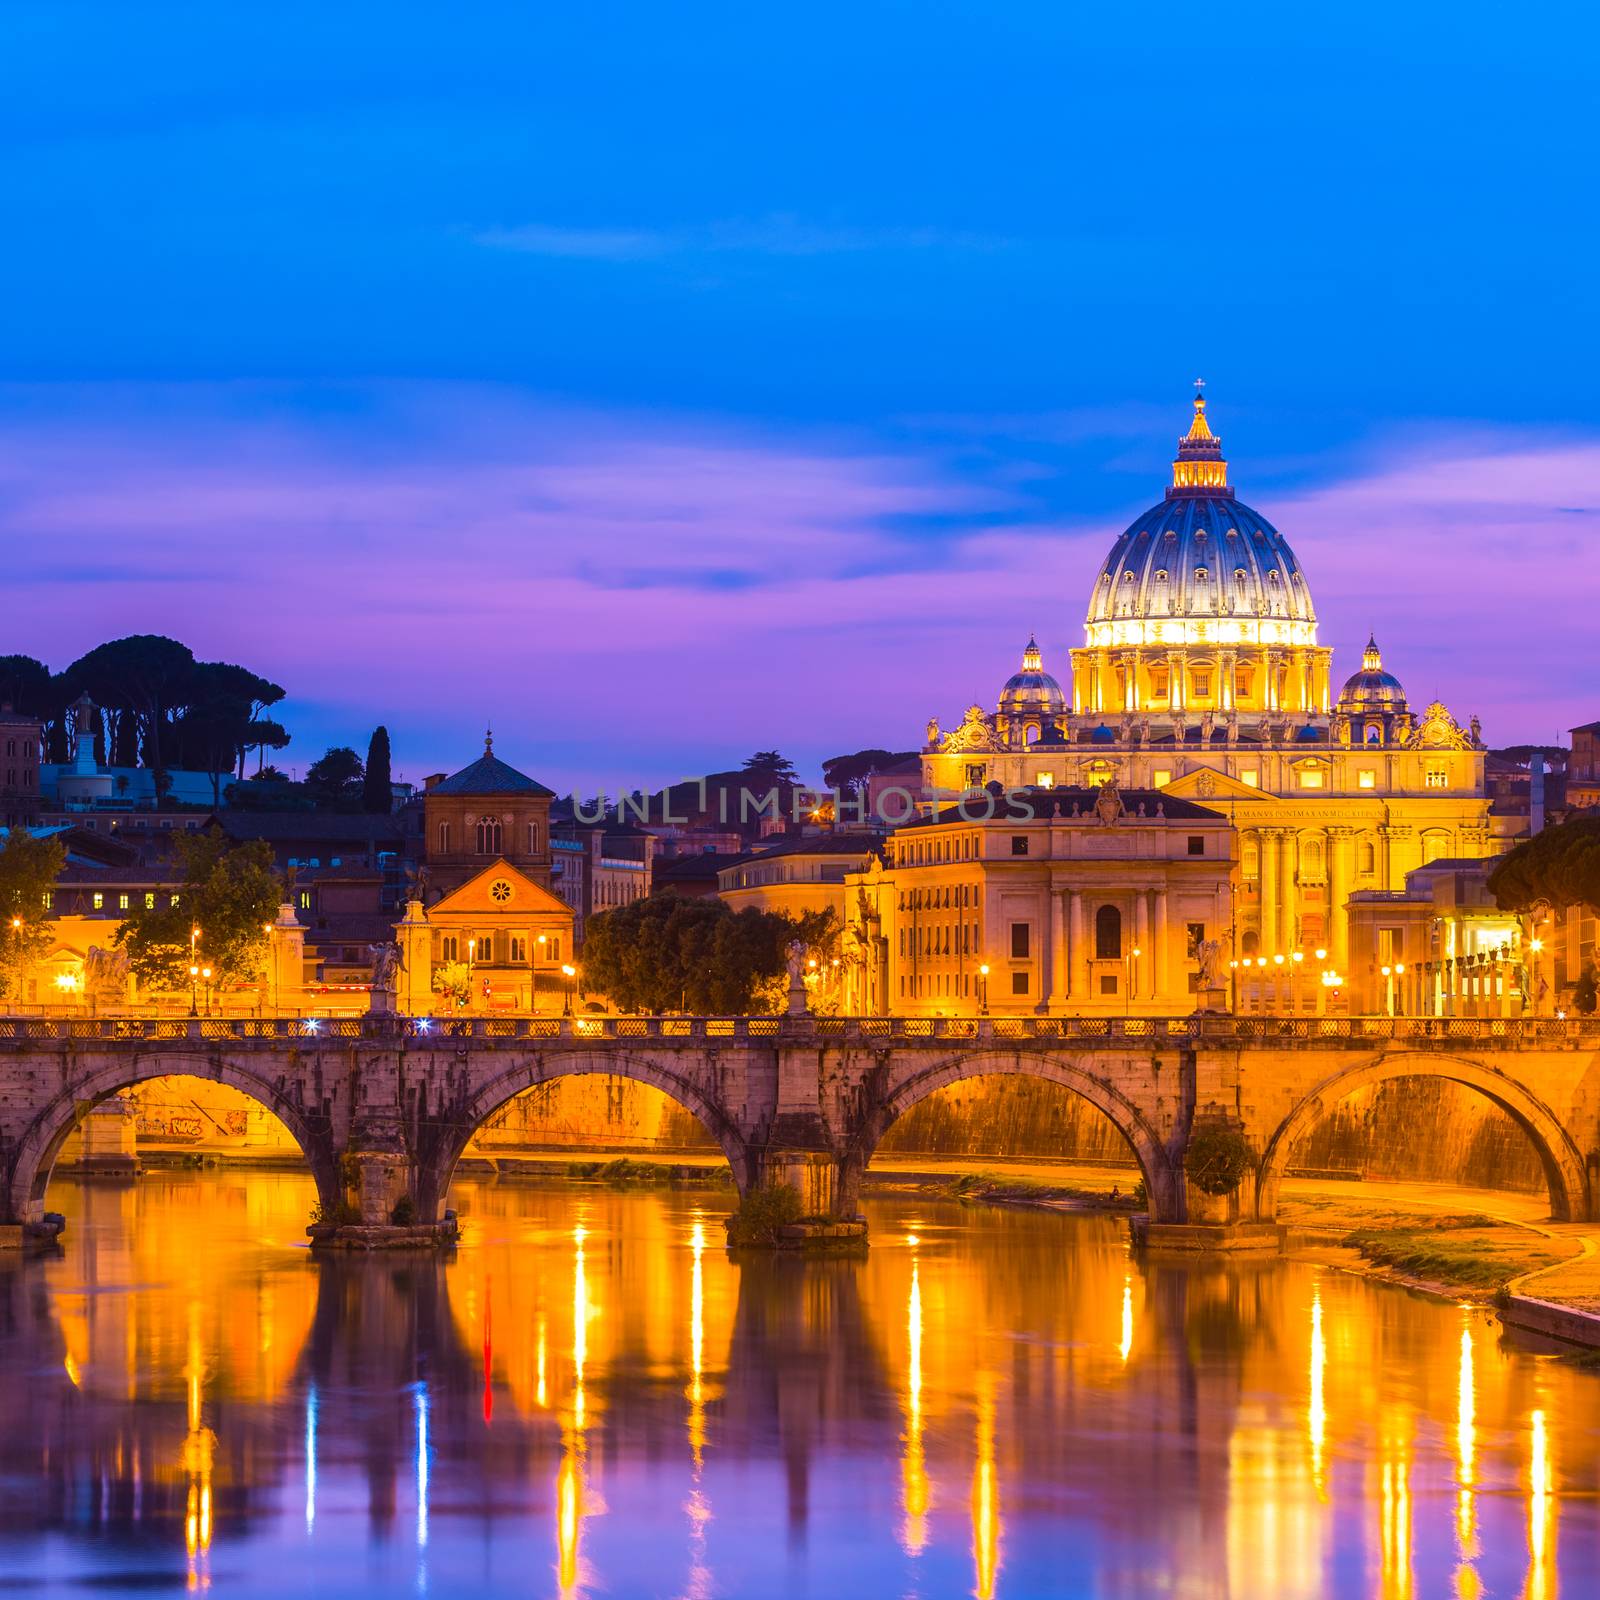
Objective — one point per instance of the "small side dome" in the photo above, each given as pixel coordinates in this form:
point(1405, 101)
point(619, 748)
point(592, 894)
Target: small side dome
point(1032, 691)
point(1371, 689)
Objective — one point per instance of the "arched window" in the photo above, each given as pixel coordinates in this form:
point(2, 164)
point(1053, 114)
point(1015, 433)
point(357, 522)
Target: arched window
point(1369, 859)
point(1435, 844)
point(444, 838)
point(1250, 944)
point(1108, 934)
point(488, 836)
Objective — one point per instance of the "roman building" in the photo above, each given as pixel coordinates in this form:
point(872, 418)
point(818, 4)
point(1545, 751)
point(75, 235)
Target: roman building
point(1201, 677)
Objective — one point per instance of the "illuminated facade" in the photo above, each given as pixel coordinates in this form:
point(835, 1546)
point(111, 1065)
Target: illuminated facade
point(1069, 900)
point(1201, 676)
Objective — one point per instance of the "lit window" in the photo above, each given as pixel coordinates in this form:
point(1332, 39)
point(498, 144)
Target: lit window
point(1367, 778)
point(1161, 777)
point(1046, 780)
point(1437, 778)
point(1311, 778)
point(99, 902)
point(122, 902)
point(1250, 778)
point(149, 902)
point(305, 899)
point(1202, 685)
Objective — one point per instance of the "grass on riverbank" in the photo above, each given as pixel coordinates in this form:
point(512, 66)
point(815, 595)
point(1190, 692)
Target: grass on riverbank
point(1002, 1186)
point(624, 1172)
point(1434, 1249)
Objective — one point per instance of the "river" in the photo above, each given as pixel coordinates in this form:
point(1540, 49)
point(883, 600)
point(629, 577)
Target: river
point(589, 1397)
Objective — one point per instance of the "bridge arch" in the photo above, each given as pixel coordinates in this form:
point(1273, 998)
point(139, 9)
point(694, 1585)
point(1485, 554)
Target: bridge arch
point(1162, 1181)
point(435, 1170)
point(28, 1175)
point(1563, 1163)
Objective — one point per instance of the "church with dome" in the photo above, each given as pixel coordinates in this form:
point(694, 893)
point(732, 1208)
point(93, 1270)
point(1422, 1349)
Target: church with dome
point(1201, 678)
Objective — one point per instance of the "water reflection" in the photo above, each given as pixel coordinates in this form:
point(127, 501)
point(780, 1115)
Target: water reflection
point(591, 1397)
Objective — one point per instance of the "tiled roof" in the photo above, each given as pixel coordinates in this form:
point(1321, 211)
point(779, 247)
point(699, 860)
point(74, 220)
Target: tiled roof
point(489, 775)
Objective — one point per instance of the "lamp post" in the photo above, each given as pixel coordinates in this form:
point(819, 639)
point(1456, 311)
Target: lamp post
point(1132, 974)
point(16, 946)
point(569, 973)
point(541, 946)
point(194, 990)
point(983, 988)
point(205, 978)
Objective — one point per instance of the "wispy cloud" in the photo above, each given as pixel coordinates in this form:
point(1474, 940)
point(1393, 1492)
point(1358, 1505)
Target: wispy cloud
point(776, 235)
point(633, 597)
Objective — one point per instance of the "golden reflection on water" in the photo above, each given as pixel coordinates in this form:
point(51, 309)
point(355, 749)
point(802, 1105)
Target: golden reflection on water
point(185, 1376)
point(1317, 1405)
point(985, 1497)
point(914, 1465)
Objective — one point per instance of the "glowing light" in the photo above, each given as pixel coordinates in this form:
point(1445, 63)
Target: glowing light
point(1394, 1507)
point(421, 1402)
point(1541, 1511)
point(569, 1494)
point(697, 1345)
point(73, 1374)
point(1466, 1441)
point(985, 1499)
point(580, 1326)
point(1125, 1345)
point(914, 1466)
point(542, 1393)
point(311, 1458)
point(1316, 1406)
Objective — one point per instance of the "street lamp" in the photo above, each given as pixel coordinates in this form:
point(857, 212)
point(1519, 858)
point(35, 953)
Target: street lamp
point(205, 975)
point(569, 973)
point(1127, 999)
point(983, 988)
point(541, 950)
point(194, 990)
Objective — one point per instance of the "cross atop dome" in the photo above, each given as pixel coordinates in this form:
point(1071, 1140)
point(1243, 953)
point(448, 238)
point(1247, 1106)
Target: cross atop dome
point(1199, 468)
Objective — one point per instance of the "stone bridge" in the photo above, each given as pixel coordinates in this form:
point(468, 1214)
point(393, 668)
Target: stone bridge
point(384, 1106)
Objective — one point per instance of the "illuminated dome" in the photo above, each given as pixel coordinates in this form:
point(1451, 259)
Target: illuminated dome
point(1032, 689)
point(1371, 689)
point(1201, 567)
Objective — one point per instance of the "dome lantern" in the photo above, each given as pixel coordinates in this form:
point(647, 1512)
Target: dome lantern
point(1199, 468)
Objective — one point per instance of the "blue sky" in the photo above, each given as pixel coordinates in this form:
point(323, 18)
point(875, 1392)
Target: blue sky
point(660, 382)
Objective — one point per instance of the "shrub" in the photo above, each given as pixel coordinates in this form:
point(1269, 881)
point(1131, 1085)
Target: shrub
point(404, 1214)
point(762, 1213)
point(340, 1214)
point(1218, 1159)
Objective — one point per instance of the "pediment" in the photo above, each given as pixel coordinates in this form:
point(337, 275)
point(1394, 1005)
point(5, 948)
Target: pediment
point(1207, 785)
point(499, 890)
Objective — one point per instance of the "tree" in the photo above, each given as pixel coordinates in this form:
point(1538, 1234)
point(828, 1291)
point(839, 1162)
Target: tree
point(674, 953)
point(849, 774)
point(265, 735)
point(29, 867)
point(146, 672)
point(377, 792)
point(26, 686)
point(217, 720)
point(228, 891)
point(773, 765)
point(335, 779)
point(1559, 867)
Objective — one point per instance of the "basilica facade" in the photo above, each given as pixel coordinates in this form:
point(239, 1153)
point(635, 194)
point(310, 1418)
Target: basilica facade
point(1201, 677)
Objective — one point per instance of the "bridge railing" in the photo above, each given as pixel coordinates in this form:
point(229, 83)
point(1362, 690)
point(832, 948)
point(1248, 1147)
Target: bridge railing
point(612, 1032)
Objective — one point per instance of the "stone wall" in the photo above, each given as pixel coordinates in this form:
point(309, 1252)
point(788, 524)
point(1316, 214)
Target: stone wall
point(1008, 1116)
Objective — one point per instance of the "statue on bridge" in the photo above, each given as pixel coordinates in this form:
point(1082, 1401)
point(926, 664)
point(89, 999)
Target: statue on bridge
point(385, 968)
point(795, 957)
point(105, 974)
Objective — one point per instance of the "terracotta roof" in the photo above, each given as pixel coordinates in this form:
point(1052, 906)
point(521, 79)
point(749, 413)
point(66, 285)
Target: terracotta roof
point(489, 775)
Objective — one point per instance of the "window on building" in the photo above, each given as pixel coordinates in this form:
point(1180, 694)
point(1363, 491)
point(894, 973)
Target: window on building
point(533, 838)
point(1437, 778)
point(1197, 844)
point(1366, 778)
point(1158, 683)
point(444, 838)
point(1242, 681)
point(122, 902)
point(1108, 934)
point(99, 901)
point(1019, 941)
point(1202, 685)
point(305, 899)
point(1434, 845)
point(555, 948)
point(488, 836)
point(449, 947)
point(1194, 936)
point(1368, 859)
point(1161, 777)
point(975, 774)
point(1019, 983)
point(149, 901)
point(1250, 944)
point(1312, 778)
point(1046, 780)
point(518, 948)
point(1108, 983)
point(1019, 844)
point(1250, 778)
